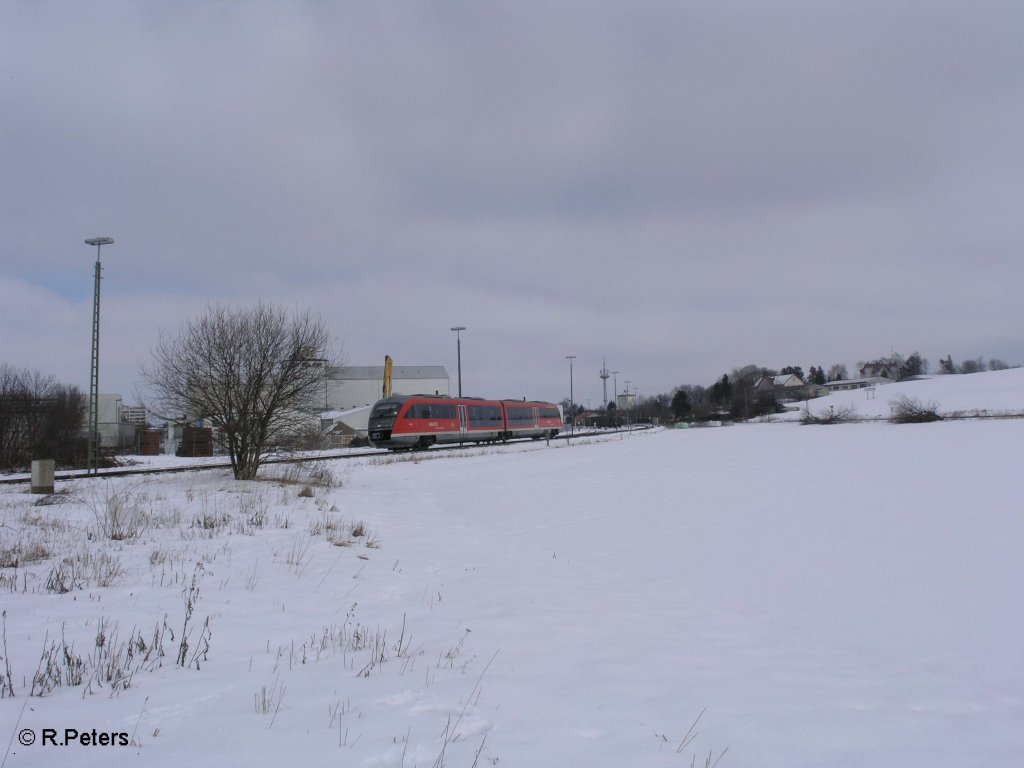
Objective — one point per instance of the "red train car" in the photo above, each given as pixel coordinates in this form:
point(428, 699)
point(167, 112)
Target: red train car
point(419, 421)
point(531, 419)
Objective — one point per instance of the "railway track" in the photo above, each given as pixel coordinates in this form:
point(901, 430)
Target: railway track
point(128, 471)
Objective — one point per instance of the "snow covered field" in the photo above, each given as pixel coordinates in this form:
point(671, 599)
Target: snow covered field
point(992, 393)
point(832, 595)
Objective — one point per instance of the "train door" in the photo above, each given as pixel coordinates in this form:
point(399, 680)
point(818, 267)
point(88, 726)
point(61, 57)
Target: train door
point(462, 423)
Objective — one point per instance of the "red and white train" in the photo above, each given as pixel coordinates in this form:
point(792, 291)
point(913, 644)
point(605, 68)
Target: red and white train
point(419, 421)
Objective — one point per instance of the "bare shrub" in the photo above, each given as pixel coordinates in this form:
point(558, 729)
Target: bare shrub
point(83, 570)
point(20, 552)
point(290, 474)
point(342, 533)
point(268, 700)
point(211, 519)
point(910, 410)
point(202, 646)
point(111, 663)
point(330, 525)
point(320, 474)
point(296, 557)
point(844, 414)
point(314, 473)
point(6, 679)
point(9, 581)
point(253, 507)
point(120, 514)
point(157, 557)
point(48, 676)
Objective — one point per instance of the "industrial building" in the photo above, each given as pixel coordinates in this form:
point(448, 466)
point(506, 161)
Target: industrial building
point(116, 433)
point(354, 386)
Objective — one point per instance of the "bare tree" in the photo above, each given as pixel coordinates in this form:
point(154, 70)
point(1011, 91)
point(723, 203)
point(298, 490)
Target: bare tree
point(915, 365)
point(972, 366)
point(39, 418)
point(837, 372)
point(250, 372)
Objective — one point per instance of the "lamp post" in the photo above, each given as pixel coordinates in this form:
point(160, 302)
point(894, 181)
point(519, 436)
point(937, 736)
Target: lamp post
point(458, 351)
point(572, 402)
point(94, 364)
point(626, 402)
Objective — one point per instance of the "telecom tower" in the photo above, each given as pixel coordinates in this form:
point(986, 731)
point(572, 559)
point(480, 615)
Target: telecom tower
point(604, 382)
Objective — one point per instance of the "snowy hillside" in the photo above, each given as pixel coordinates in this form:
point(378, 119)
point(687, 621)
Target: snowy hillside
point(991, 393)
point(846, 595)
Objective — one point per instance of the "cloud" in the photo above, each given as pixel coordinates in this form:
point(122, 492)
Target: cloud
point(681, 189)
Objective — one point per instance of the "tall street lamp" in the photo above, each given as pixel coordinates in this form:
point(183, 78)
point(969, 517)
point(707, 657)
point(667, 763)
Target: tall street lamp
point(458, 350)
point(572, 401)
point(94, 365)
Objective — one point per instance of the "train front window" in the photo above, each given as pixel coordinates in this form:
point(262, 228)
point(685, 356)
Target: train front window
point(385, 411)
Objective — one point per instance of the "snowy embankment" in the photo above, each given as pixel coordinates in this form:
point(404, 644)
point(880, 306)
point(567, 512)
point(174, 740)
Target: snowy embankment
point(842, 595)
point(991, 393)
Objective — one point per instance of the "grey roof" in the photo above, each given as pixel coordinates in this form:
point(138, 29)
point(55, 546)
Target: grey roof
point(867, 380)
point(780, 381)
point(402, 372)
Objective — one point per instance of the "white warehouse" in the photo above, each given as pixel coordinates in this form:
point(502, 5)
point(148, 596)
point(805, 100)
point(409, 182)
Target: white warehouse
point(357, 385)
point(354, 386)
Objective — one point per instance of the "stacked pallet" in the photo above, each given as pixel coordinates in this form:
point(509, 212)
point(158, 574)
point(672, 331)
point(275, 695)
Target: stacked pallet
point(196, 441)
point(149, 444)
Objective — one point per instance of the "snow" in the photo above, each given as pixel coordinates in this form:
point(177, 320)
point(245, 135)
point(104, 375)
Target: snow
point(832, 595)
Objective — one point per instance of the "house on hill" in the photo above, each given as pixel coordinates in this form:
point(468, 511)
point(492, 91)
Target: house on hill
point(880, 369)
point(841, 385)
point(787, 386)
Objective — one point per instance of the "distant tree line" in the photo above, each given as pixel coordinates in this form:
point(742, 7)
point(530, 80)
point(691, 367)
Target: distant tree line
point(916, 365)
point(972, 366)
point(39, 419)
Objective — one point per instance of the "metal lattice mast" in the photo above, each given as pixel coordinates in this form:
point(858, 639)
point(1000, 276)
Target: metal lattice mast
point(94, 361)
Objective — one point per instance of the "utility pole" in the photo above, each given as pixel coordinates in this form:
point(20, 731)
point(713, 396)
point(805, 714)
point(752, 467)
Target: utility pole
point(458, 351)
point(572, 406)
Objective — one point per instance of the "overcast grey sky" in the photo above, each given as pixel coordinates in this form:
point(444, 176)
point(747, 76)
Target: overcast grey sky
point(681, 188)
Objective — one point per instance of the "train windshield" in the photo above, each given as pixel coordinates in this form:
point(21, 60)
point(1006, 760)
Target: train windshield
point(385, 410)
